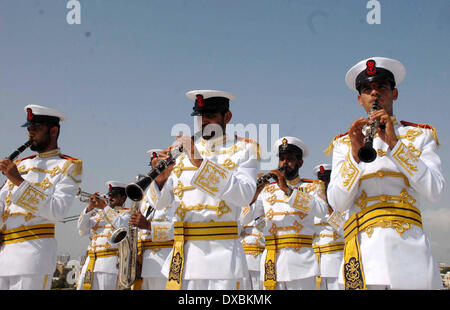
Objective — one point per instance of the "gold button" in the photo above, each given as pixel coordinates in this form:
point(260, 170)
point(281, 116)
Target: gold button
point(380, 174)
point(384, 198)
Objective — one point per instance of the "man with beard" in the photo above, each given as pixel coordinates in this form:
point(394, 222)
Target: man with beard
point(289, 206)
point(38, 192)
point(385, 244)
point(100, 219)
point(207, 188)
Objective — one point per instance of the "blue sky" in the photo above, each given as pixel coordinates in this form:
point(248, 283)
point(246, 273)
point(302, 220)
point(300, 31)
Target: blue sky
point(121, 75)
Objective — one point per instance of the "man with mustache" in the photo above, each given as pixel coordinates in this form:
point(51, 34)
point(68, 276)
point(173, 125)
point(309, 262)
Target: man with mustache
point(38, 192)
point(289, 206)
point(100, 219)
point(385, 245)
point(206, 189)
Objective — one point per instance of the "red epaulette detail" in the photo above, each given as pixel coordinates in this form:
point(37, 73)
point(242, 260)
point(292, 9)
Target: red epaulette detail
point(405, 123)
point(29, 157)
point(272, 183)
point(68, 157)
point(307, 180)
point(425, 126)
point(329, 149)
point(340, 136)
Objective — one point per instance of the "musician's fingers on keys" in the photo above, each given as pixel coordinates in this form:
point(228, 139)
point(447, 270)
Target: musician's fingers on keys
point(275, 174)
point(9, 169)
point(356, 127)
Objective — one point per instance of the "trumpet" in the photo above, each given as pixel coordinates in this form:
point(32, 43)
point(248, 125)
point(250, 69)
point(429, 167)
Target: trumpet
point(367, 153)
point(135, 191)
point(85, 196)
point(266, 177)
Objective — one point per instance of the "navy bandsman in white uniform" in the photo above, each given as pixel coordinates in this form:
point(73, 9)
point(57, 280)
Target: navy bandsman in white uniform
point(385, 244)
point(252, 239)
point(289, 206)
point(328, 242)
point(155, 239)
point(207, 188)
point(99, 220)
point(38, 192)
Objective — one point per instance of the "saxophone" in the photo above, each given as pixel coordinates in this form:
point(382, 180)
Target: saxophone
point(126, 241)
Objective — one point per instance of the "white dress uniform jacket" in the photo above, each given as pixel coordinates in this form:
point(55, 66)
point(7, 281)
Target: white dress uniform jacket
point(394, 253)
point(45, 197)
point(155, 246)
point(252, 239)
point(328, 245)
point(214, 193)
point(291, 216)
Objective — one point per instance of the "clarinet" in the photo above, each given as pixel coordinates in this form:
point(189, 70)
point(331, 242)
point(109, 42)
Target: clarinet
point(19, 150)
point(266, 177)
point(135, 191)
point(367, 153)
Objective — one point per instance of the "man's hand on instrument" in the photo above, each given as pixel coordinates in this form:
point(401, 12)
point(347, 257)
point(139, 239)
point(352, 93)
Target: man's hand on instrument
point(190, 149)
point(281, 180)
point(259, 188)
point(9, 169)
point(356, 136)
point(162, 178)
point(96, 202)
point(138, 219)
point(387, 134)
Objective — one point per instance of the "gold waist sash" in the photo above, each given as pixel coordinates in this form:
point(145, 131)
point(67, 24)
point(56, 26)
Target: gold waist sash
point(385, 214)
point(25, 233)
point(93, 255)
point(325, 249)
point(194, 231)
point(143, 245)
point(253, 248)
point(275, 243)
point(328, 248)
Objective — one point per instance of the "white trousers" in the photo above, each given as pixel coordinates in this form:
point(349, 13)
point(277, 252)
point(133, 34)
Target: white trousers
point(330, 283)
point(26, 282)
point(232, 284)
point(154, 284)
point(301, 284)
point(101, 281)
point(253, 281)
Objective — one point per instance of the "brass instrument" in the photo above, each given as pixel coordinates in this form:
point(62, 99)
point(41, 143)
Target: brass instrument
point(367, 153)
point(126, 240)
point(85, 196)
point(20, 149)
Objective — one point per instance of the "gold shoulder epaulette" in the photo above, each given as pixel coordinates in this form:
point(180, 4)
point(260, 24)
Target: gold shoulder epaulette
point(22, 159)
point(329, 149)
point(253, 142)
point(78, 168)
point(426, 126)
